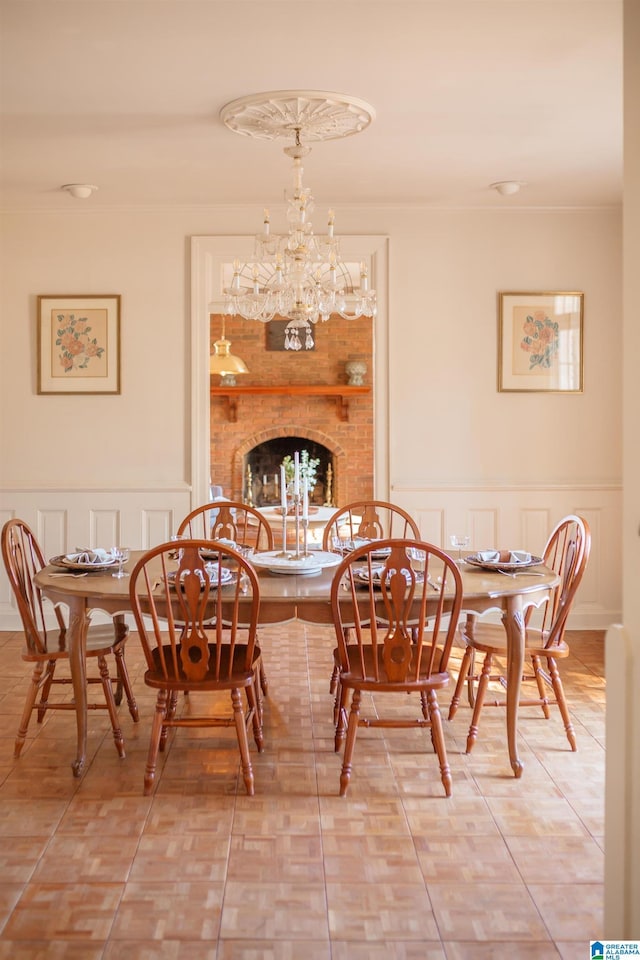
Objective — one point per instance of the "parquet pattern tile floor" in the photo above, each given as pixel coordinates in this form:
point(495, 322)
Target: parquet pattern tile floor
point(92, 870)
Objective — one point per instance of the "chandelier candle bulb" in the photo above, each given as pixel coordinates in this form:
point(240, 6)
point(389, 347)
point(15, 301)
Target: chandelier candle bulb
point(266, 222)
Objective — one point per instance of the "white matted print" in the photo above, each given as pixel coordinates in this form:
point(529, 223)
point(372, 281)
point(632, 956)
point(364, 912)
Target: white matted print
point(540, 342)
point(79, 344)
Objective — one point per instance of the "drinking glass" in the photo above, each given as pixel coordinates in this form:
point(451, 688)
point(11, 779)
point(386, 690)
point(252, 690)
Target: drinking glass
point(122, 555)
point(460, 542)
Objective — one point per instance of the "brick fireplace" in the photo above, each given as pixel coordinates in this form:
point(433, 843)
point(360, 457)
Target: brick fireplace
point(295, 394)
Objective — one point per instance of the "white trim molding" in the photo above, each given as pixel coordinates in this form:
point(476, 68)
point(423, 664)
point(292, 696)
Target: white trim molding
point(208, 257)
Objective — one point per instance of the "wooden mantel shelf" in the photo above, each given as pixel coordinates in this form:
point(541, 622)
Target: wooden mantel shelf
point(342, 393)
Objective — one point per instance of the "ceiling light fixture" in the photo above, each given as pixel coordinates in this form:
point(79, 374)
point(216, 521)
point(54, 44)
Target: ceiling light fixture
point(299, 275)
point(81, 191)
point(224, 362)
point(508, 187)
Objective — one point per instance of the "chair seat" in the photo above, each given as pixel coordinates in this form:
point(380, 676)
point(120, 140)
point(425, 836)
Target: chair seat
point(489, 638)
point(365, 681)
point(236, 674)
point(100, 643)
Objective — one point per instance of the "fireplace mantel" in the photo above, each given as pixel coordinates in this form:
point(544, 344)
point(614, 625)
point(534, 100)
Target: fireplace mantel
point(342, 393)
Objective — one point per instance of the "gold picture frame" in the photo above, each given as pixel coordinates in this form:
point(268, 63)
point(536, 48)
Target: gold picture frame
point(540, 342)
point(79, 344)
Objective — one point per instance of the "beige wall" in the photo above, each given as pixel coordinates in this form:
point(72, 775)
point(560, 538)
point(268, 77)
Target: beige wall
point(445, 270)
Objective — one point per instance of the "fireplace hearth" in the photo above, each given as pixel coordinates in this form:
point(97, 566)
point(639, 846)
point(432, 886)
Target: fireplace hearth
point(261, 471)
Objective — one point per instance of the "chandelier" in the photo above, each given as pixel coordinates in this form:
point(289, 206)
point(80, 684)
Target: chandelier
point(299, 275)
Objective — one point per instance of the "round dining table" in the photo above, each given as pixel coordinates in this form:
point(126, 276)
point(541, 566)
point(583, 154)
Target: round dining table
point(285, 597)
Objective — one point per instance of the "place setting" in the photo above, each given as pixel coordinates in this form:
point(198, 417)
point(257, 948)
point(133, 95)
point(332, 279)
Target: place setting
point(98, 560)
point(509, 562)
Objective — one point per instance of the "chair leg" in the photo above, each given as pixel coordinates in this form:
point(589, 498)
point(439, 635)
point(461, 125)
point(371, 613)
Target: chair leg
point(243, 741)
point(354, 720)
point(124, 685)
point(32, 693)
point(170, 712)
point(264, 683)
point(259, 691)
point(253, 698)
point(340, 712)
point(540, 681)
point(154, 744)
point(335, 673)
point(437, 738)
point(558, 690)
point(472, 679)
point(462, 677)
point(483, 683)
point(103, 667)
point(339, 697)
point(46, 685)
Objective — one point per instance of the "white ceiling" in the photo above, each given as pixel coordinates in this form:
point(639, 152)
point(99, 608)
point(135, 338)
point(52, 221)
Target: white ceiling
point(126, 94)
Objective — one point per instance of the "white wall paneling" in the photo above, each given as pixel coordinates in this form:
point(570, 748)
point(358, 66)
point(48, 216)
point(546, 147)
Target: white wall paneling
point(65, 519)
point(499, 517)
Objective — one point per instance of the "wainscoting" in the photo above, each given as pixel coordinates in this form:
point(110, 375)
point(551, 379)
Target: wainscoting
point(65, 519)
point(492, 516)
point(513, 517)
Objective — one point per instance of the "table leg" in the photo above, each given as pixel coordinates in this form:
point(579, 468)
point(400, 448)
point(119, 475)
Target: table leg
point(76, 645)
point(515, 629)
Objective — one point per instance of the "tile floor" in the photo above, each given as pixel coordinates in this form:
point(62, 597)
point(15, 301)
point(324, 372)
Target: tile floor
point(92, 870)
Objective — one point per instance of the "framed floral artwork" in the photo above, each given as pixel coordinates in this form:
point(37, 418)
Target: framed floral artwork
point(79, 344)
point(540, 342)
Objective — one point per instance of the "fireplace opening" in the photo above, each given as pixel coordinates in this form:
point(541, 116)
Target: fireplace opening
point(261, 470)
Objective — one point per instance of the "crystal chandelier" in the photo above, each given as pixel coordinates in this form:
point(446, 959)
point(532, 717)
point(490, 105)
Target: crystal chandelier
point(300, 275)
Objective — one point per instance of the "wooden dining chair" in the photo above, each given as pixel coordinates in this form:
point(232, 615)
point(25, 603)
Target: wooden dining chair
point(197, 622)
point(46, 646)
point(367, 520)
point(401, 614)
point(231, 520)
point(567, 553)
point(363, 520)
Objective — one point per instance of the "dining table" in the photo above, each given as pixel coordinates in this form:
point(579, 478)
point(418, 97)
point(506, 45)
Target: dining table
point(285, 597)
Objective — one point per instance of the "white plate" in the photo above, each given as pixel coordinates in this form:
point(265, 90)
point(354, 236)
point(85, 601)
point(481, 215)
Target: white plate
point(67, 564)
point(295, 566)
point(477, 561)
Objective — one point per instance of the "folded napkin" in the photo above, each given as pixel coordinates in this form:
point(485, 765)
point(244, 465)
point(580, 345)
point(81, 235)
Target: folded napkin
point(504, 556)
point(90, 556)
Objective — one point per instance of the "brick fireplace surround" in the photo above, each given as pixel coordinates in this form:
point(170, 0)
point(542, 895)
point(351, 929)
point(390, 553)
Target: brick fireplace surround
point(318, 418)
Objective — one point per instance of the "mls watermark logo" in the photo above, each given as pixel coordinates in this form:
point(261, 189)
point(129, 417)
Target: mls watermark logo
point(614, 949)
